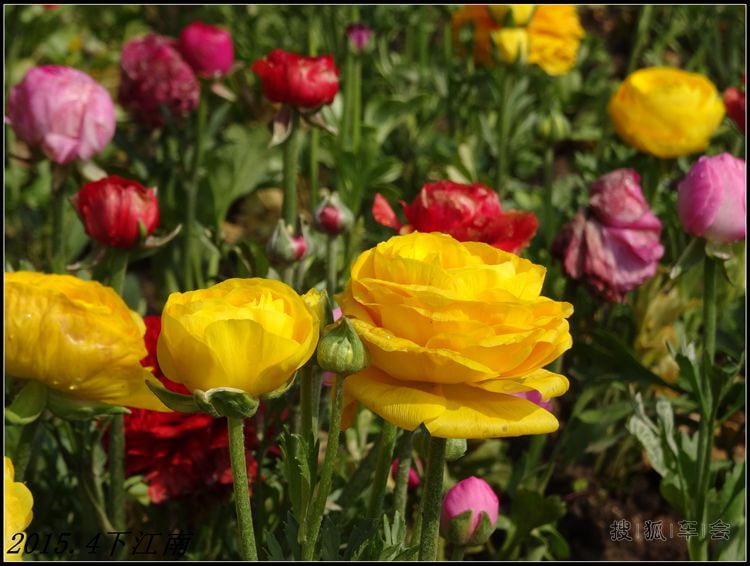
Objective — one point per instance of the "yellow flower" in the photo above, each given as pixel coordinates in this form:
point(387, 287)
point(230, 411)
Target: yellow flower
point(666, 112)
point(455, 330)
point(75, 336)
point(483, 24)
point(18, 515)
point(249, 334)
point(555, 34)
point(520, 13)
point(512, 43)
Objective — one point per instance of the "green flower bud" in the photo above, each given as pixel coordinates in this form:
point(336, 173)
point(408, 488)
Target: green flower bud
point(455, 449)
point(283, 248)
point(553, 127)
point(341, 351)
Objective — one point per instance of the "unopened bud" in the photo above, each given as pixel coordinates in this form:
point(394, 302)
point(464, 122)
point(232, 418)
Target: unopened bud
point(283, 248)
point(553, 127)
point(333, 217)
point(341, 351)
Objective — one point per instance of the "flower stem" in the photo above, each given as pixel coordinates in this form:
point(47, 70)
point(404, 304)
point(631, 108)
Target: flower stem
point(505, 89)
point(59, 240)
point(188, 259)
point(306, 405)
point(241, 490)
point(117, 472)
point(315, 517)
point(291, 150)
point(312, 48)
point(644, 23)
point(548, 220)
point(401, 492)
point(118, 266)
point(332, 269)
point(432, 498)
point(457, 553)
point(698, 546)
point(357, 102)
point(382, 469)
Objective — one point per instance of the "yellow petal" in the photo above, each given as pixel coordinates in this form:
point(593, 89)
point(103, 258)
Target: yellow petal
point(547, 383)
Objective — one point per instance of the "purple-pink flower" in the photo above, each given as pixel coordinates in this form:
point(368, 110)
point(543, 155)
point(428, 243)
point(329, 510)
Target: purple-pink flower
point(613, 244)
point(359, 36)
point(63, 111)
point(475, 497)
point(711, 199)
point(207, 49)
point(153, 73)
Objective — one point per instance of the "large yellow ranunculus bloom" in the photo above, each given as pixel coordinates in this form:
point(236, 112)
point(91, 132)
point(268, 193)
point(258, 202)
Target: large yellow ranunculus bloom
point(456, 332)
point(77, 337)
point(249, 334)
point(666, 112)
point(555, 33)
point(18, 515)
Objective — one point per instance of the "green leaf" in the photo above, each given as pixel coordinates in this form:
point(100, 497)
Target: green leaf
point(28, 404)
point(175, 401)
point(690, 257)
point(74, 409)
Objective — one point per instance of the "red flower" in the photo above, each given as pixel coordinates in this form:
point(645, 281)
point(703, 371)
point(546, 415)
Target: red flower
point(112, 209)
point(469, 213)
point(178, 454)
point(154, 74)
point(734, 100)
point(303, 82)
point(207, 49)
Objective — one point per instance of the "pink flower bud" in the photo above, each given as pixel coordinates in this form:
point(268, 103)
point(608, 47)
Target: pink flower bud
point(613, 245)
point(333, 217)
point(207, 49)
point(461, 517)
point(359, 37)
point(413, 480)
point(63, 111)
point(153, 73)
point(711, 199)
point(113, 210)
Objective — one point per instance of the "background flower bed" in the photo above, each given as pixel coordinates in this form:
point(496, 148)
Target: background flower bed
point(428, 115)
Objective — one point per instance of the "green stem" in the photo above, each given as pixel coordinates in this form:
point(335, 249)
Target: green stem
point(382, 469)
point(698, 547)
point(117, 472)
point(644, 23)
point(432, 498)
point(315, 518)
point(357, 103)
point(401, 491)
point(306, 405)
point(332, 268)
point(549, 224)
point(118, 266)
point(241, 490)
point(505, 89)
point(291, 150)
point(457, 553)
point(59, 240)
point(188, 259)
point(312, 48)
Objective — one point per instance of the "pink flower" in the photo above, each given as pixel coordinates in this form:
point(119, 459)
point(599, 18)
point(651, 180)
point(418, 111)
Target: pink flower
point(613, 244)
point(63, 111)
point(303, 82)
point(359, 37)
point(711, 199)
point(153, 73)
point(462, 511)
point(207, 49)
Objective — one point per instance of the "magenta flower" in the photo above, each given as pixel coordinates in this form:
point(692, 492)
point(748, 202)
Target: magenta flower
point(153, 73)
point(613, 244)
point(207, 49)
point(63, 111)
point(469, 513)
point(359, 37)
point(711, 200)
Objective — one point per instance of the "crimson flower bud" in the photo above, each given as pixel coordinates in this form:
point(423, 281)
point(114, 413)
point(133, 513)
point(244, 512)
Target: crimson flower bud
point(283, 249)
point(734, 101)
point(359, 36)
point(207, 49)
point(333, 217)
point(116, 212)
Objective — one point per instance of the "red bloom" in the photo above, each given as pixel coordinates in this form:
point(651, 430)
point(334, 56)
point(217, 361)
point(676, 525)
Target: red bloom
point(112, 209)
point(303, 82)
point(152, 74)
point(734, 100)
point(469, 213)
point(178, 454)
point(207, 49)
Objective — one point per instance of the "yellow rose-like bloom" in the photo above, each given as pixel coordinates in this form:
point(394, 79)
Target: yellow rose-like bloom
point(555, 34)
point(249, 334)
point(454, 330)
point(520, 13)
point(666, 112)
point(18, 515)
point(513, 44)
point(78, 337)
point(483, 23)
